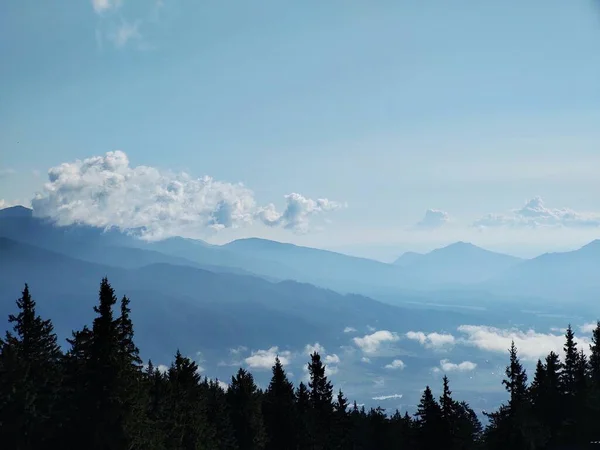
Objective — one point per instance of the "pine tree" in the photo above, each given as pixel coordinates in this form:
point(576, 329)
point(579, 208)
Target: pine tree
point(595, 357)
point(594, 397)
point(218, 415)
point(156, 389)
point(448, 409)
point(515, 424)
point(379, 433)
point(244, 401)
point(303, 412)
point(468, 427)
point(341, 422)
point(569, 387)
point(101, 370)
point(185, 425)
point(429, 422)
point(321, 399)
point(516, 380)
point(280, 410)
point(29, 379)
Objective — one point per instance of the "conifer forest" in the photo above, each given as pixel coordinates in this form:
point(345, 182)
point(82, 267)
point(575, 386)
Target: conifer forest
point(95, 392)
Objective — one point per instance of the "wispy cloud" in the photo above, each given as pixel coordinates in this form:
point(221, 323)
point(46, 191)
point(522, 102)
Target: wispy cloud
point(118, 27)
point(102, 6)
point(387, 397)
point(535, 214)
point(124, 33)
point(106, 191)
point(349, 330)
point(6, 172)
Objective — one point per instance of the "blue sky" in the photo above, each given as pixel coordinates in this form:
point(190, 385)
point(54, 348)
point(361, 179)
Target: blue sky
point(386, 108)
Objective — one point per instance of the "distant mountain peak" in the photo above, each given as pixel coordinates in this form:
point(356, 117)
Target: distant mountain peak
point(16, 211)
point(407, 258)
point(592, 246)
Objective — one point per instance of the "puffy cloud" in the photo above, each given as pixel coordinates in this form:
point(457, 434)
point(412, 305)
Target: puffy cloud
point(530, 344)
point(309, 349)
point(332, 359)
point(396, 364)
point(465, 366)
point(432, 340)
point(370, 343)
point(297, 212)
point(349, 330)
point(535, 214)
point(223, 385)
point(434, 218)
point(387, 397)
point(588, 327)
point(265, 359)
point(365, 360)
point(105, 191)
point(331, 370)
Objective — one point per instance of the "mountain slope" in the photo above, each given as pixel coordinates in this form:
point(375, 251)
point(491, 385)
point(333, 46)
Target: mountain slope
point(189, 307)
point(564, 275)
point(321, 267)
point(458, 263)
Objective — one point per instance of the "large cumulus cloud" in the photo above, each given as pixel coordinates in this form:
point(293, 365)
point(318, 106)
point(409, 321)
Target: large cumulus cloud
point(536, 214)
point(106, 191)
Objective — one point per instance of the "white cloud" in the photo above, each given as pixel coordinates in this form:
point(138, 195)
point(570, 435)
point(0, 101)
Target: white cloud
point(223, 385)
point(434, 218)
point(588, 327)
point(387, 397)
point(396, 364)
point(370, 343)
point(297, 212)
point(124, 33)
point(238, 350)
point(535, 214)
point(331, 370)
point(265, 359)
point(332, 359)
point(530, 344)
point(349, 330)
point(464, 366)
point(105, 191)
point(101, 6)
point(432, 340)
point(309, 349)
point(365, 360)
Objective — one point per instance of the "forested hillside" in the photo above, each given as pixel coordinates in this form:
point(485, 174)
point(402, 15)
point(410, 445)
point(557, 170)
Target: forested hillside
point(98, 394)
